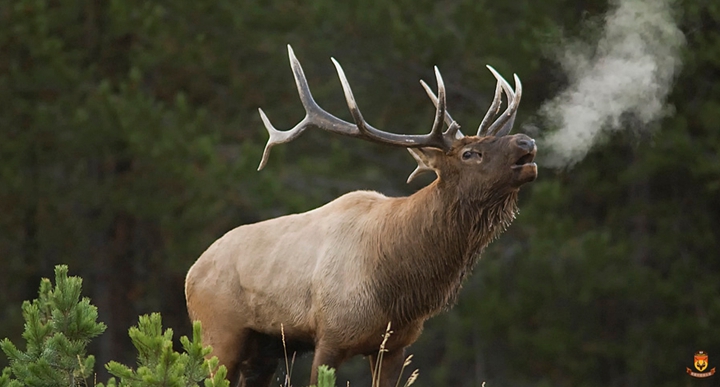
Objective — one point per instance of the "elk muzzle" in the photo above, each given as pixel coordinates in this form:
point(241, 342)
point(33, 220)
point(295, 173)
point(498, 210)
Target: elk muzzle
point(524, 169)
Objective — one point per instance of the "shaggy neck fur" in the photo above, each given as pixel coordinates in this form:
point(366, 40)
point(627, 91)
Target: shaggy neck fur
point(437, 236)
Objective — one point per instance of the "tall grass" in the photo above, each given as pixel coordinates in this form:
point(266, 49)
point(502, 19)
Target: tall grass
point(326, 375)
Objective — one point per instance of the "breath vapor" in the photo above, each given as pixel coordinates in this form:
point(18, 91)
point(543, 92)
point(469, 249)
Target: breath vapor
point(621, 81)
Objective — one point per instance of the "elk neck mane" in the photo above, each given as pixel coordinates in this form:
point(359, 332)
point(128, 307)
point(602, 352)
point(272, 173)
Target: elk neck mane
point(430, 243)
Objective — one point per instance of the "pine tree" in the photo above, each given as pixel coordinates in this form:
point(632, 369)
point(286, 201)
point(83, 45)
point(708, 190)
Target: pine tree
point(159, 365)
point(58, 327)
point(326, 377)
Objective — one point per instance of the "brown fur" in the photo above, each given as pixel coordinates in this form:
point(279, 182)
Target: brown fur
point(335, 276)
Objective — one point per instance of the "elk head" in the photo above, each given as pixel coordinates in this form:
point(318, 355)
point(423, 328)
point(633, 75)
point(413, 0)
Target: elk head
point(490, 161)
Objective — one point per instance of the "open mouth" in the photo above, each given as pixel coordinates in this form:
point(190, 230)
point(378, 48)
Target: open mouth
point(525, 160)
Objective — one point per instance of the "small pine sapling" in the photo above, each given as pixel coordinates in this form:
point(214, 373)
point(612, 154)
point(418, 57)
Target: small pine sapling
point(326, 377)
point(58, 327)
point(159, 365)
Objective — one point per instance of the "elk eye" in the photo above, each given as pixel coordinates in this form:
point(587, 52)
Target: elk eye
point(469, 154)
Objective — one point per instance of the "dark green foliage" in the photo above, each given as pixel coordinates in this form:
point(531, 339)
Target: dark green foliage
point(5, 380)
point(158, 365)
point(326, 377)
point(58, 327)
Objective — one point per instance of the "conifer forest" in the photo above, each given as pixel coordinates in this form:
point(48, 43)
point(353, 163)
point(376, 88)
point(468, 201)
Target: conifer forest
point(130, 140)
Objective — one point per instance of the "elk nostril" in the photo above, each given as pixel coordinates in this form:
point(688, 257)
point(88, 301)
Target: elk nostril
point(527, 144)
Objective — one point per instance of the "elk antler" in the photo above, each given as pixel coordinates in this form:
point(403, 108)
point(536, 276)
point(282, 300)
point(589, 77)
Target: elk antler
point(504, 123)
point(316, 116)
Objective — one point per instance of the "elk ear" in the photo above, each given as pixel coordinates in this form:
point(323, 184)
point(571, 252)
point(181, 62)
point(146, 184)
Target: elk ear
point(427, 159)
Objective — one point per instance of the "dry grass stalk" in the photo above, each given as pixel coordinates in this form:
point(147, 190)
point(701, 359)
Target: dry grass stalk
point(378, 361)
point(288, 366)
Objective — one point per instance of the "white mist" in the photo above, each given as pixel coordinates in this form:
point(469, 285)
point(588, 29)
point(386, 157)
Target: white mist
point(627, 73)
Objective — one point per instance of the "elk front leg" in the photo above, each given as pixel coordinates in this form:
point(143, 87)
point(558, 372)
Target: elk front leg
point(390, 367)
point(228, 345)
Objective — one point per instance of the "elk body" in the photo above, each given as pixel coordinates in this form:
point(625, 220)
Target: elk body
point(333, 277)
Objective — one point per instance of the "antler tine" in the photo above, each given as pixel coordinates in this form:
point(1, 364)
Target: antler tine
point(280, 137)
point(420, 169)
point(300, 80)
point(513, 103)
point(314, 115)
point(440, 108)
point(492, 110)
point(350, 98)
point(453, 130)
point(518, 94)
point(277, 136)
point(434, 99)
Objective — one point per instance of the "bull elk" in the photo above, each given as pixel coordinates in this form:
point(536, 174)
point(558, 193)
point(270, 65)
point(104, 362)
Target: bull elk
point(334, 276)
